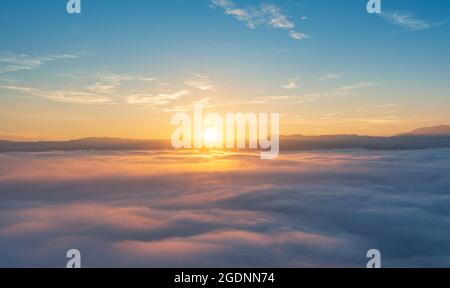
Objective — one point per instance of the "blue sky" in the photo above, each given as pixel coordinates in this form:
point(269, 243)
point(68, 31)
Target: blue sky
point(347, 71)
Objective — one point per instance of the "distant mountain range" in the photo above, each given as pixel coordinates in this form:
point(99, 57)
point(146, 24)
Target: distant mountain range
point(423, 138)
point(435, 130)
point(84, 144)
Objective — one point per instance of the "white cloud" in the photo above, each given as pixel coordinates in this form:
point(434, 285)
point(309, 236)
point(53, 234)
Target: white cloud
point(292, 84)
point(102, 91)
point(298, 35)
point(86, 97)
point(200, 82)
point(254, 16)
point(407, 21)
point(108, 83)
point(276, 18)
point(357, 86)
point(271, 99)
point(204, 102)
point(331, 76)
point(108, 88)
point(350, 90)
point(74, 97)
point(67, 96)
point(155, 100)
point(14, 63)
point(343, 91)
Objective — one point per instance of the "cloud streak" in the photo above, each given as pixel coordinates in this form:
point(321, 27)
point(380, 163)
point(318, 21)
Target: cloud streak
point(66, 96)
point(19, 62)
point(331, 76)
point(341, 91)
point(108, 89)
point(266, 14)
point(292, 84)
point(155, 100)
point(200, 82)
point(408, 21)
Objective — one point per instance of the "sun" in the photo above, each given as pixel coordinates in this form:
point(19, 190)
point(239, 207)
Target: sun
point(212, 138)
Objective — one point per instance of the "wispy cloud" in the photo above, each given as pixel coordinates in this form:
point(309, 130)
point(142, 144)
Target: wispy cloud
point(381, 112)
point(265, 14)
point(292, 84)
point(341, 91)
point(331, 76)
point(271, 99)
point(408, 21)
point(357, 86)
point(67, 96)
point(155, 100)
point(89, 97)
point(108, 83)
point(384, 106)
point(18, 62)
point(108, 88)
point(200, 82)
point(204, 102)
point(298, 35)
point(276, 18)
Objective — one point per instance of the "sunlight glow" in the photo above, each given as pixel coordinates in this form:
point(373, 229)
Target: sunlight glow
point(211, 137)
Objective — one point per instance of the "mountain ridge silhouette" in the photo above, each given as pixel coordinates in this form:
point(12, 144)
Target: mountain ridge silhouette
point(421, 138)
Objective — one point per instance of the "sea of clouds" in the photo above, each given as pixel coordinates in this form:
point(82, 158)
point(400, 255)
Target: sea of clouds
point(173, 209)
